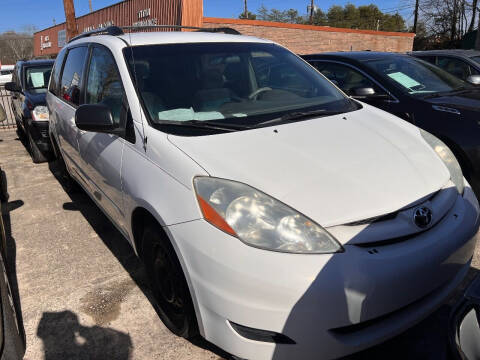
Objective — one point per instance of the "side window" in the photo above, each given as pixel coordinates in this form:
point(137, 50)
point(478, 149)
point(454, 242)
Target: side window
point(454, 66)
point(57, 68)
point(72, 75)
point(346, 78)
point(104, 85)
point(430, 59)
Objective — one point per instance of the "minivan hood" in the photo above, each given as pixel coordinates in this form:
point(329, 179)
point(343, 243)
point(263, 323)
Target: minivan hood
point(335, 170)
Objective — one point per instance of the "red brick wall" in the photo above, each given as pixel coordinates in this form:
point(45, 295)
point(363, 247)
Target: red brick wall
point(305, 39)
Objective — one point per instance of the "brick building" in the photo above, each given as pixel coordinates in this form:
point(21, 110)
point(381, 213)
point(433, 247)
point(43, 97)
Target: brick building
point(301, 39)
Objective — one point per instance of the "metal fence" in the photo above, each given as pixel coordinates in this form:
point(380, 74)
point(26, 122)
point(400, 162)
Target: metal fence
point(6, 103)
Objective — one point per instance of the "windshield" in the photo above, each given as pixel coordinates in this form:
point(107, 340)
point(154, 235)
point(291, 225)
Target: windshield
point(38, 77)
point(415, 76)
point(228, 83)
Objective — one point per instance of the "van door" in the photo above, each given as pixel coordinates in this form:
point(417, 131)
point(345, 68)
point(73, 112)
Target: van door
point(69, 98)
point(102, 153)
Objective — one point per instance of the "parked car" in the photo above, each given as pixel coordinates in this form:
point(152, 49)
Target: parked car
point(276, 216)
point(416, 91)
point(464, 334)
point(12, 341)
point(29, 88)
point(6, 72)
point(464, 64)
point(3, 114)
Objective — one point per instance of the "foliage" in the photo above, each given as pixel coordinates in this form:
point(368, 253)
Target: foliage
point(250, 16)
point(348, 16)
point(15, 46)
point(286, 16)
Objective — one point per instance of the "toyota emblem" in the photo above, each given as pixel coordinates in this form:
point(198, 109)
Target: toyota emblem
point(422, 216)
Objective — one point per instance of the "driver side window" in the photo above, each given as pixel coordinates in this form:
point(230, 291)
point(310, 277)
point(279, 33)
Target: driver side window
point(346, 78)
point(104, 85)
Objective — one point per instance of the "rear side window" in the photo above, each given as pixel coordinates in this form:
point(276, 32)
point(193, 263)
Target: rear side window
point(456, 67)
point(104, 85)
point(430, 59)
point(72, 75)
point(57, 68)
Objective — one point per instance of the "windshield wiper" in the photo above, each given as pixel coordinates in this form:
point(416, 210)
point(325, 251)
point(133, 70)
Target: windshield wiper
point(296, 115)
point(206, 124)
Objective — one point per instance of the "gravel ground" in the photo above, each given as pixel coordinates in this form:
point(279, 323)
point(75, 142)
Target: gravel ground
point(84, 294)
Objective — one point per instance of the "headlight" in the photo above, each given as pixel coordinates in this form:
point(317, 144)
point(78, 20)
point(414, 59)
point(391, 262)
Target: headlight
point(258, 219)
point(40, 113)
point(447, 157)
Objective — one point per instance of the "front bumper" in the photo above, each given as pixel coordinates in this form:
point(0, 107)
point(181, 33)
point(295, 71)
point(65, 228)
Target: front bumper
point(39, 132)
point(330, 305)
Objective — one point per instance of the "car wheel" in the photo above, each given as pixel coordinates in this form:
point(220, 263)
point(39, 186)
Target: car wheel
point(20, 133)
point(61, 173)
point(35, 152)
point(3, 187)
point(174, 303)
point(13, 333)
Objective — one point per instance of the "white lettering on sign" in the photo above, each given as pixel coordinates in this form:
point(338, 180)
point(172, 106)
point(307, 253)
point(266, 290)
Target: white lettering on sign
point(45, 45)
point(146, 22)
point(47, 38)
point(143, 13)
point(99, 26)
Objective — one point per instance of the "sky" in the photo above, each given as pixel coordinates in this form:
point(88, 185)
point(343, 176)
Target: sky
point(18, 14)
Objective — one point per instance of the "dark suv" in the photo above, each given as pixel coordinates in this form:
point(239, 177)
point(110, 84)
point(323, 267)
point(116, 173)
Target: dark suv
point(29, 87)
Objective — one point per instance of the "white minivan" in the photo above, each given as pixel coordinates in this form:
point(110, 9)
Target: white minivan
point(276, 216)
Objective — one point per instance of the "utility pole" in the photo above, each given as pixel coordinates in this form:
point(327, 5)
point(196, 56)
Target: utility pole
point(91, 9)
point(245, 12)
point(415, 19)
point(311, 12)
point(70, 18)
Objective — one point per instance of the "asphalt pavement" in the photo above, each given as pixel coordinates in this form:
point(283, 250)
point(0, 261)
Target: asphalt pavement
point(84, 294)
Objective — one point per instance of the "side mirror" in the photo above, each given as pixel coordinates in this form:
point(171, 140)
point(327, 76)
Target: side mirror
point(364, 92)
point(95, 117)
point(13, 87)
point(368, 93)
point(3, 115)
point(474, 79)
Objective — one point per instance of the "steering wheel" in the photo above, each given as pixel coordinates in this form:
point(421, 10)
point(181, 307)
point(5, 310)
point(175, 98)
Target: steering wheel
point(254, 95)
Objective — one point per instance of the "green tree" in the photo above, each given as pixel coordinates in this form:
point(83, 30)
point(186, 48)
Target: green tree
point(250, 16)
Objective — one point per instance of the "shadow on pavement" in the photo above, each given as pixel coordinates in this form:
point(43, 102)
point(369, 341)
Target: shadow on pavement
point(117, 245)
point(65, 338)
point(11, 255)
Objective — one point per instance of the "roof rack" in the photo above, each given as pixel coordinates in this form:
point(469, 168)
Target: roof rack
point(111, 30)
point(225, 30)
point(116, 30)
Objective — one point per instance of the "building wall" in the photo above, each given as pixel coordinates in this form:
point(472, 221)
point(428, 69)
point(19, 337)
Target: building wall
point(307, 39)
point(301, 39)
point(126, 13)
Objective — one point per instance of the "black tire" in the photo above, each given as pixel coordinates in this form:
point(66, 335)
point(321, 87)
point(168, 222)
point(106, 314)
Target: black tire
point(3, 187)
point(14, 334)
point(20, 132)
point(37, 155)
point(61, 172)
point(174, 302)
